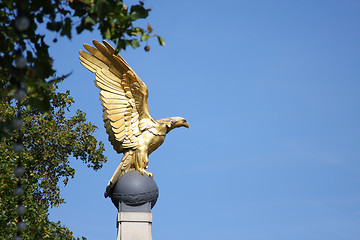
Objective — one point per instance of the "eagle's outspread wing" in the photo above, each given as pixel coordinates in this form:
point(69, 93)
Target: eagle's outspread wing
point(123, 96)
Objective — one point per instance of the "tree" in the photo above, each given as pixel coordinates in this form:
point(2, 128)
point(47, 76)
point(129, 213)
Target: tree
point(49, 140)
point(36, 122)
point(24, 57)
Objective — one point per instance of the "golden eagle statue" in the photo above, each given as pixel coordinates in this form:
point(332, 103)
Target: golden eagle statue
point(131, 129)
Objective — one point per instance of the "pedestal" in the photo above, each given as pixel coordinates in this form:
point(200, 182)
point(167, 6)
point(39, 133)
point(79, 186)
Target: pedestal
point(134, 195)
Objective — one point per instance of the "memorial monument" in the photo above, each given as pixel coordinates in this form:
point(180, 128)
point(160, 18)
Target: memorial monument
point(133, 132)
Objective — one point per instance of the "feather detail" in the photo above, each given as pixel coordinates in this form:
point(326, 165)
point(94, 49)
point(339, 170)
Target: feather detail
point(123, 95)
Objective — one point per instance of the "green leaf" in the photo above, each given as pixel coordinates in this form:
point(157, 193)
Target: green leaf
point(54, 26)
point(138, 11)
point(145, 37)
point(136, 31)
point(89, 20)
point(108, 34)
point(121, 44)
point(42, 105)
point(102, 8)
point(134, 43)
point(39, 18)
point(161, 41)
point(66, 29)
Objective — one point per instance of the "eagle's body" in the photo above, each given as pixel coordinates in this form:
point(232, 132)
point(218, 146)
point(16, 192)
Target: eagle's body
point(126, 116)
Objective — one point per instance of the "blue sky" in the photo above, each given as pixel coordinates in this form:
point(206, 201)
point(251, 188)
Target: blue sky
point(271, 92)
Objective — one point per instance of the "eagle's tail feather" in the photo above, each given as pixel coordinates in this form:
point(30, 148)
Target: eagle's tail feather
point(124, 166)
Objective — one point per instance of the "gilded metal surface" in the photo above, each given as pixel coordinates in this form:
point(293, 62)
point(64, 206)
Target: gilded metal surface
point(131, 129)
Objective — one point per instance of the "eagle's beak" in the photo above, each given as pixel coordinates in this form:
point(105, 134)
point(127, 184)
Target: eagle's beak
point(186, 125)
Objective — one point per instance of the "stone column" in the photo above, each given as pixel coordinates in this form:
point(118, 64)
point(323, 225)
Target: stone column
point(134, 195)
point(134, 225)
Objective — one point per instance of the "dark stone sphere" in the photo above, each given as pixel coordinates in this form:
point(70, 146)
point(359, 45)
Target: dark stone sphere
point(134, 189)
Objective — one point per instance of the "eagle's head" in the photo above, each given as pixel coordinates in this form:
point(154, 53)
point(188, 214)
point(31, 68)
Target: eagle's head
point(175, 122)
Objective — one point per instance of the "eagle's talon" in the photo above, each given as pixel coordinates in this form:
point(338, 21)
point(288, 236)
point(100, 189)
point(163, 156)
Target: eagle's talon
point(143, 171)
point(149, 174)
